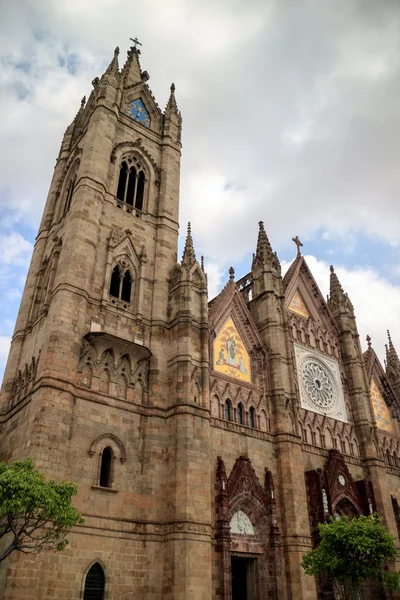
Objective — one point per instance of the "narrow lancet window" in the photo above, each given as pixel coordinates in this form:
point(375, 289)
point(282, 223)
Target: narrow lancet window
point(140, 191)
point(95, 583)
point(115, 282)
point(228, 410)
point(130, 194)
point(122, 182)
point(126, 287)
point(252, 417)
point(105, 468)
point(240, 413)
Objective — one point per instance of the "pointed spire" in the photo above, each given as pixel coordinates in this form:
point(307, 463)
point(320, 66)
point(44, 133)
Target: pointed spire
point(189, 256)
point(113, 68)
point(132, 71)
point(171, 104)
point(264, 250)
point(392, 359)
point(335, 291)
point(337, 295)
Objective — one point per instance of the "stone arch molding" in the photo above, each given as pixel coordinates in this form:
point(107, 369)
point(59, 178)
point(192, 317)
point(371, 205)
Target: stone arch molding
point(111, 440)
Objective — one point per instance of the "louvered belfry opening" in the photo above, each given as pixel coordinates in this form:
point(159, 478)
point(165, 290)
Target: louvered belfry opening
point(94, 585)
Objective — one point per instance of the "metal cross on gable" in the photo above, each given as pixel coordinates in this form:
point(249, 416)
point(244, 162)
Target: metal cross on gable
point(298, 243)
point(136, 42)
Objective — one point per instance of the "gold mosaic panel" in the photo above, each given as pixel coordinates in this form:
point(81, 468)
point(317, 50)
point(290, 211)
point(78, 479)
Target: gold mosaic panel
point(297, 305)
point(230, 355)
point(381, 411)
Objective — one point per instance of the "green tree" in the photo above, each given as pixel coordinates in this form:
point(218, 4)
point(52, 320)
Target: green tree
point(351, 553)
point(34, 513)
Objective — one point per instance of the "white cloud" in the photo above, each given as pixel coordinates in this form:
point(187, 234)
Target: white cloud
point(4, 348)
point(15, 250)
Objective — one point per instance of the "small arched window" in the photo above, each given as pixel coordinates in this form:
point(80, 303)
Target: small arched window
point(228, 410)
point(70, 193)
point(106, 467)
point(131, 183)
point(121, 284)
point(95, 583)
point(240, 413)
point(252, 417)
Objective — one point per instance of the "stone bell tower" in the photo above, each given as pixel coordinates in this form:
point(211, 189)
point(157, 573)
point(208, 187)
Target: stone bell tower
point(87, 386)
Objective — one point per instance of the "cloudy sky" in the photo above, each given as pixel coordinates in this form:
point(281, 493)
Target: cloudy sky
point(291, 115)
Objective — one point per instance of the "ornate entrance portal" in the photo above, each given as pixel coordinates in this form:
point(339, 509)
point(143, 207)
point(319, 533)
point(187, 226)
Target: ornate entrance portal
point(247, 534)
point(244, 579)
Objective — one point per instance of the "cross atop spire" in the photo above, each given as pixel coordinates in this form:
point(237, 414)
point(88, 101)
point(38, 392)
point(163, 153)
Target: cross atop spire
point(298, 243)
point(136, 43)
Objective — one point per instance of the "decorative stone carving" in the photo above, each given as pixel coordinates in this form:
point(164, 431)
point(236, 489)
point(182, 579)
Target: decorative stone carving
point(241, 524)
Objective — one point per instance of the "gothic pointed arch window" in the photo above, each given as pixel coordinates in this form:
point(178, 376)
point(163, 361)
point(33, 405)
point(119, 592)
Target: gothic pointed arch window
point(240, 414)
point(252, 417)
point(105, 479)
point(228, 410)
point(132, 183)
point(121, 283)
point(94, 583)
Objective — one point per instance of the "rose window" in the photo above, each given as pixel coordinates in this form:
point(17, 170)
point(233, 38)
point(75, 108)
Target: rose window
point(318, 383)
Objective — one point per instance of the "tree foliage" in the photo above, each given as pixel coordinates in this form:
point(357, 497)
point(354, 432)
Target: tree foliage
point(353, 552)
point(34, 513)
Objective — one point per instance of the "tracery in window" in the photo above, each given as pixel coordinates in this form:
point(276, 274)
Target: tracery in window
point(131, 183)
point(121, 283)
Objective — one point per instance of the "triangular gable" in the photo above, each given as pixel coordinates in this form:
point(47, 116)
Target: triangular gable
point(382, 394)
point(302, 282)
point(234, 335)
point(298, 306)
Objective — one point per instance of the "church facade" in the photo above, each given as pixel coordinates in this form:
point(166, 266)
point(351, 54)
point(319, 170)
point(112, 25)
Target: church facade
point(208, 438)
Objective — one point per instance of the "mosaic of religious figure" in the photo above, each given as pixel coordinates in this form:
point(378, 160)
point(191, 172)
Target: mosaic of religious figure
point(230, 355)
point(381, 411)
point(298, 306)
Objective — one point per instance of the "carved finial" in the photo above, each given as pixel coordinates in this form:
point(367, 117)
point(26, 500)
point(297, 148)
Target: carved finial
point(116, 51)
point(298, 243)
point(83, 102)
point(368, 338)
point(202, 263)
point(231, 274)
point(171, 104)
point(332, 270)
point(189, 256)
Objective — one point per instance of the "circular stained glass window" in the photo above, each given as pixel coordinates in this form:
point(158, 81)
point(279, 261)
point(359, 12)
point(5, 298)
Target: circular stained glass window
point(318, 382)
